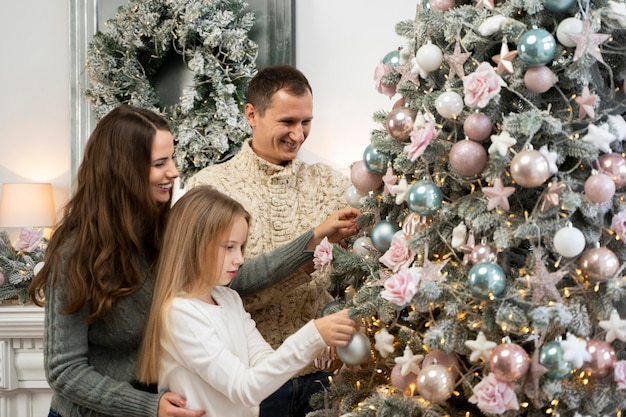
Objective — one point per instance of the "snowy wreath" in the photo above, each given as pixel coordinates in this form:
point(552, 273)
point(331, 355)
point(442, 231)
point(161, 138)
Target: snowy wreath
point(208, 41)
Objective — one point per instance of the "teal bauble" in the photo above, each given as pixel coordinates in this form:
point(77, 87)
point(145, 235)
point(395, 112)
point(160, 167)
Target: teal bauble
point(536, 47)
point(551, 357)
point(558, 6)
point(382, 233)
point(487, 280)
point(392, 58)
point(424, 198)
point(375, 160)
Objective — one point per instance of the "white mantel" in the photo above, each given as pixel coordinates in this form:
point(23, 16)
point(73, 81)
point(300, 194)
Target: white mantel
point(24, 391)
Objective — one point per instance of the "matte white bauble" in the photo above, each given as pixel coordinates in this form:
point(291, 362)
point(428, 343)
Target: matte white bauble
point(429, 57)
point(569, 25)
point(449, 104)
point(569, 242)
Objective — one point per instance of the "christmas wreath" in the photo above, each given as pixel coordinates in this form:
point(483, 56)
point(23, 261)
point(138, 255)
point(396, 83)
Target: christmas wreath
point(209, 40)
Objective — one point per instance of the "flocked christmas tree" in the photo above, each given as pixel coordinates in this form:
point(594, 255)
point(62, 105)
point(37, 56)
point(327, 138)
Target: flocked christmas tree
point(489, 274)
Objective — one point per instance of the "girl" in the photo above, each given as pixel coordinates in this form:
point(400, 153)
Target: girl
point(199, 340)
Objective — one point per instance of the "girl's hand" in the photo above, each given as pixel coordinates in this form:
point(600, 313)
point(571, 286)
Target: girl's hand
point(336, 329)
point(173, 405)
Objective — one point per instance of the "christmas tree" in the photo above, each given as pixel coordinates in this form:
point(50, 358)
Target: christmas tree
point(488, 274)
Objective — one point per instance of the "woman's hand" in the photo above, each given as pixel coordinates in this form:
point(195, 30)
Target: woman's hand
point(173, 405)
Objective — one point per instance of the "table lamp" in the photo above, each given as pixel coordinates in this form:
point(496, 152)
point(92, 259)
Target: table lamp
point(27, 205)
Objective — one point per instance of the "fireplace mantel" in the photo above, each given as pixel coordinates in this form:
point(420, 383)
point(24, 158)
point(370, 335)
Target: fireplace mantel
point(24, 391)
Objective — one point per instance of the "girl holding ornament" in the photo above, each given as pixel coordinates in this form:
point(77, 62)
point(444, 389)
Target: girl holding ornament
point(199, 340)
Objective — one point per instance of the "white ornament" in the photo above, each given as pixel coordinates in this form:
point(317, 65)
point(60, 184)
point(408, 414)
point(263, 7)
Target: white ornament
point(550, 157)
point(409, 362)
point(449, 104)
point(501, 143)
point(618, 12)
point(384, 342)
point(617, 125)
point(575, 351)
point(600, 136)
point(491, 25)
point(429, 57)
point(569, 242)
point(615, 327)
point(400, 190)
point(459, 235)
point(567, 26)
point(406, 51)
point(481, 348)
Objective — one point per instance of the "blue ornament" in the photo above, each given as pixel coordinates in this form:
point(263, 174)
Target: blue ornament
point(424, 198)
point(392, 58)
point(536, 47)
point(487, 280)
point(558, 6)
point(551, 357)
point(382, 233)
point(375, 160)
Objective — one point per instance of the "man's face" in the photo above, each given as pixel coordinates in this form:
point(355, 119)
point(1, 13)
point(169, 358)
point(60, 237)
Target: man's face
point(278, 135)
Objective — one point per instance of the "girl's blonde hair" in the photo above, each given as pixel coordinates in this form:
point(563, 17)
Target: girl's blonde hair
point(189, 264)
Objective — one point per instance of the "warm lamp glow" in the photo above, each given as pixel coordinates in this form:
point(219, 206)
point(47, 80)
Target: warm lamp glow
point(27, 205)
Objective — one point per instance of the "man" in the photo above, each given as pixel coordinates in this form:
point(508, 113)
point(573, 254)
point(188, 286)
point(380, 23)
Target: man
point(286, 197)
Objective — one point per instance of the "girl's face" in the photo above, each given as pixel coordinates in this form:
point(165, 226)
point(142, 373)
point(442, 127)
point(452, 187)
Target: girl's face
point(163, 169)
point(233, 250)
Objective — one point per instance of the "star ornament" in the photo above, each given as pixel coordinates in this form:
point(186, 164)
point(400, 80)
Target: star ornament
point(543, 283)
point(431, 271)
point(586, 103)
point(409, 362)
point(384, 342)
point(504, 59)
point(600, 136)
point(400, 190)
point(456, 61)
point(498, 195)
point(501, 143)
point(552, 196)
point(481, 348)
point(575, 351)
point(587, 42)
point(389, 179)
point(615, 327)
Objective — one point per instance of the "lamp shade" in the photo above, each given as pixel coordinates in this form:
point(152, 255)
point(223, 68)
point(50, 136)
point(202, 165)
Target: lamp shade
point(27, 205)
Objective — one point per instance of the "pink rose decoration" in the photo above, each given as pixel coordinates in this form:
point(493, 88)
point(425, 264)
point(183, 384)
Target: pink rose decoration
point(618, 224)
point(421, 136)
point(29, 239)
point(399, 255)
point(401, 287)
point(493, 396)
point(323, 255)
point(481, 86)
point(619, 374)
point(379, 77)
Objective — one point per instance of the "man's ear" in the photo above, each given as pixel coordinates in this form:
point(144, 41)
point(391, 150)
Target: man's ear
point(251, 114)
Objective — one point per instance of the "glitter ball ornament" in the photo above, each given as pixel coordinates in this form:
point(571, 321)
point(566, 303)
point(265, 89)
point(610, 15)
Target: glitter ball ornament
point(551, 357)
point(429, 57)
point(614, 165)
point(567, 26)
point(509, 362)
point(558, 6)
point(602, 361)
point(441, 5)
point(375, 160)
point(363, 179)
point(598, 264)
point(569, 242)
point(599, 188)
point(439, 357)
point(382, 233)
point(486, 280)
point(529, 168)
point(399, 123)
point(362, 246)
point(353, 197)
point(424, 198)
point(402, 383)
point(468, 158)
point(435, 383)
point(477, 126)
point(539, 79)
point(449, 104)
point(536, 47)
point(357, 351)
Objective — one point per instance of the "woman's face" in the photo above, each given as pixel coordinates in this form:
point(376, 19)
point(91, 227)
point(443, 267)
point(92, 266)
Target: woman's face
point(163, 169)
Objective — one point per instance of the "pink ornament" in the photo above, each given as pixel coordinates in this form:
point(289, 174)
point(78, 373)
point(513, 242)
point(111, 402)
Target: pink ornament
point(435, 383)
point(441, 5)
point(399, 103)
point(412, 224)
point(539, 79)
point(598, 264)
point(399, 123)
point(468, 158)
point(363, 179)
point(530, 169)
point(482, 253)
point(403, 383)
point(614, 165)
point(477, 126)
point(599, 188)
point(603, 359)
point(439, 357)
point(509, 362)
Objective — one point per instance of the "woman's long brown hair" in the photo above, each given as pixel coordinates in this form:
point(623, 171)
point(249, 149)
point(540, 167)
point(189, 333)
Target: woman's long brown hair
point(112, 224)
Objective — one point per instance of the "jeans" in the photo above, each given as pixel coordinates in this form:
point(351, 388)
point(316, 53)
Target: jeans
point(292, 399)
point(53, 413)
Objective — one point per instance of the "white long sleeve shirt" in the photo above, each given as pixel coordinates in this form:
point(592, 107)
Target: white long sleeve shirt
point(214, 356)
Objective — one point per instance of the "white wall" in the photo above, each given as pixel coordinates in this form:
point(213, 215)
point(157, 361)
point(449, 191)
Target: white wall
point(338, 46)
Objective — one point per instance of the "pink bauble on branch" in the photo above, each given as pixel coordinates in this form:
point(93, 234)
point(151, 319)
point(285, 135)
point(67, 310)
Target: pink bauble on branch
point(602, 361)
point(529, 168)
point(363, 179)
point(400, 123)
point(509, 362)
point(539, 79)
point(598, 264)
point(614, 165)
point(599, 188)
point(468, 158)
point(477, 126)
